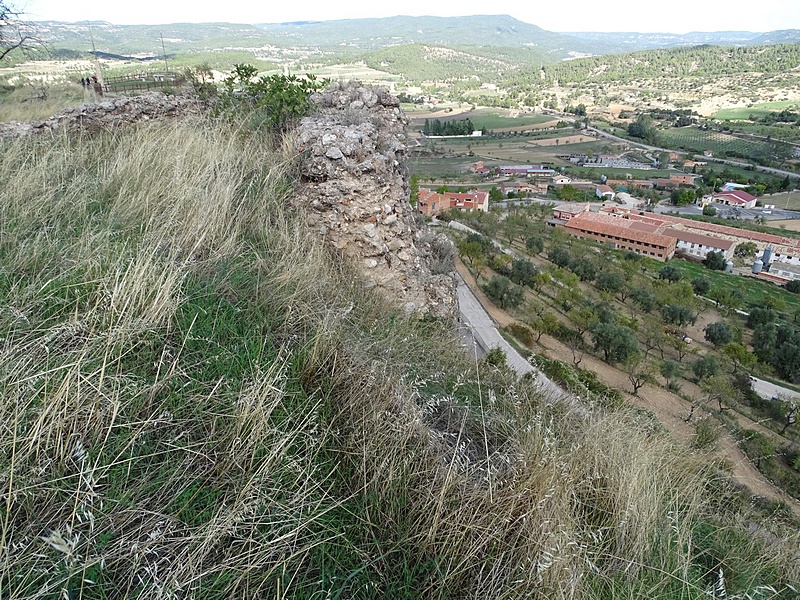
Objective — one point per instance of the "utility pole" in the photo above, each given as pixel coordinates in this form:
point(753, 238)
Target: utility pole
point(164, 50)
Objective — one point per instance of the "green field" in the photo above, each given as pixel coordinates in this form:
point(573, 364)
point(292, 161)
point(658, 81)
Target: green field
point(520, 149)
point(784, 200)
point(490, 118)
point(696, 140)
point(219, 61)
point(755, 291)
point(443, 169)
point(758, 110)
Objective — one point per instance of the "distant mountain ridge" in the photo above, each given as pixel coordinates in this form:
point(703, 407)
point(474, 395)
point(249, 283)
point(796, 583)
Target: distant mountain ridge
point(359, 35)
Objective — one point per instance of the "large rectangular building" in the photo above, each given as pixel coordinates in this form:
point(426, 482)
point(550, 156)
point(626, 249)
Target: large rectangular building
point(699, 245)
point(629, 235)
point(784, 249)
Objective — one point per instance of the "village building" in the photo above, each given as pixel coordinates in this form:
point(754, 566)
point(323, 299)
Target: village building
point(432, 203)
point(699, 245)
point(738, 198)
point(480, 168)
point(527, 170)
point(784, 249)
point(566, 211)
point(621, 233)
point(630, 184)
point(666, 184)
point(684, 178)
point(534, 187)
point(604, 192)
point(783, 271)
point(690, 164)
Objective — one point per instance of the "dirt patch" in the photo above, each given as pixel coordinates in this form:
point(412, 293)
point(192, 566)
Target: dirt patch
point(615, 109)
point(672, 410)
point(565, 141)
point(790, 224)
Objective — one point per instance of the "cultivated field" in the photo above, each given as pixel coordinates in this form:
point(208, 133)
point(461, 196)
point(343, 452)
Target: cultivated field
point(696, 140)
point(362, 73)
point(758, 110)
point(789, 224)
point(490, 119)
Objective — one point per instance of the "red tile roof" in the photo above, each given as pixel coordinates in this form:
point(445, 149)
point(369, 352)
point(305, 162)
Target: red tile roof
point(599, 224)
point(572, 208)
point(698, 238)
point(746, 234)
point(738, 196)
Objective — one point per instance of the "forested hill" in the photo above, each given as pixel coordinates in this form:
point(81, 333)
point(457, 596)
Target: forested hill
point(419, 62)
point(699, 61)
point(476, 30)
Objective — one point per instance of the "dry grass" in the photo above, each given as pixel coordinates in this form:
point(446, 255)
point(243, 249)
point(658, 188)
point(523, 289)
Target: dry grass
point(36, 102)
point(197, 401)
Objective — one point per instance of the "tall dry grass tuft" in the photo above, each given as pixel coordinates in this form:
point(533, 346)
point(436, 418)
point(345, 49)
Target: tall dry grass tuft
point(197, 401)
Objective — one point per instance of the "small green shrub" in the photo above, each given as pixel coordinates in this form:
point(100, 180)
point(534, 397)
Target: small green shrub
point(706, 433)
point(273, 102)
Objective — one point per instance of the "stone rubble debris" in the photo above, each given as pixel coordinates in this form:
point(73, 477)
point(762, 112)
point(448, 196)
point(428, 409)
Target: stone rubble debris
point(107, 115)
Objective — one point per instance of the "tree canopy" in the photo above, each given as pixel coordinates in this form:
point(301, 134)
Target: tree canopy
point(718, 333)
point(14, 34)
point(715, 261)
point(616, 342)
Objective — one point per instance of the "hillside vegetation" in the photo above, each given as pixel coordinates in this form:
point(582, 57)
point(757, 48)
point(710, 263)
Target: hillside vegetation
point(198, 401)
point(697, 61)
point(418, 62)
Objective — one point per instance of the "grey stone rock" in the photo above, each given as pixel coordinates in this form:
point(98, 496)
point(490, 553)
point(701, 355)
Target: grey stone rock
point(362, 195)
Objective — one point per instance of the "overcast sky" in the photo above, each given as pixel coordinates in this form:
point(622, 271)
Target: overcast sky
point(672, 16)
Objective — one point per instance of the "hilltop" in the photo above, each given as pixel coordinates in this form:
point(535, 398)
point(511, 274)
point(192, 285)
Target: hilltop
point(203, 398)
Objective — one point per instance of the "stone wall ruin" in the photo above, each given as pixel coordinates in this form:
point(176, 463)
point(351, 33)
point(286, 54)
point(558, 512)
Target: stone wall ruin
point(356, 195)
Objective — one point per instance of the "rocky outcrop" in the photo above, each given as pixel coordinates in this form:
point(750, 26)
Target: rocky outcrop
point(356, 195)
point(107, 115)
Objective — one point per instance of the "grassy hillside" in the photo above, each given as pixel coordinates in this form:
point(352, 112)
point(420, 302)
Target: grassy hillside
point(198, 401)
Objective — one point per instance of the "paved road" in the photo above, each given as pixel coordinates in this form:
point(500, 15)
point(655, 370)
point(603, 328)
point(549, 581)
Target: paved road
point(486, 336)
point(737, 163)
point(768, 390)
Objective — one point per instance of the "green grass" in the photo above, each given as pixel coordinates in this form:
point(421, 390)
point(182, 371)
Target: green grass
point(754, 291)
point(785, 200)
point(759, 110)
point(23, 103)
point(221, 61)
point(492, 119)
point(200, 400)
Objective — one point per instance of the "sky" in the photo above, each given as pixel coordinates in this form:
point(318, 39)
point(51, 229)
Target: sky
point(673, 16)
